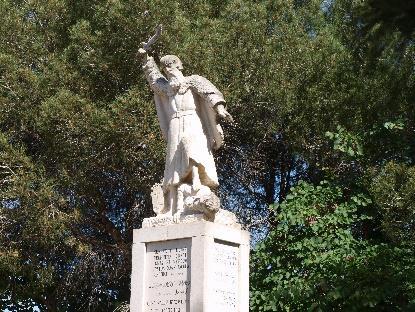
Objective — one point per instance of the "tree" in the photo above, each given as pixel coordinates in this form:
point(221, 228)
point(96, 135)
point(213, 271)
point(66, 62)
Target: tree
point(304, 262)
point(318, 93)
point(79, 152)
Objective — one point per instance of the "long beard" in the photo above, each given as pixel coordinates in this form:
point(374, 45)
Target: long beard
point(174, 83)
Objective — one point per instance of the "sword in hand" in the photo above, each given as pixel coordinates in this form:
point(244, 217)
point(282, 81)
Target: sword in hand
point(146, 46)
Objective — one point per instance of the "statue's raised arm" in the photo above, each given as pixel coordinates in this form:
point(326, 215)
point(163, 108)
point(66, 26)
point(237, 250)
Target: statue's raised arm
point(189, 109)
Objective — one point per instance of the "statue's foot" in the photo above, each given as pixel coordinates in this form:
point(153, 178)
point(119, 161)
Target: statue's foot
point(165, 212)
point(176, 217)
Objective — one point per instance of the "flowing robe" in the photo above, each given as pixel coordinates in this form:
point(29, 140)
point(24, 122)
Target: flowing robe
point(188, 122)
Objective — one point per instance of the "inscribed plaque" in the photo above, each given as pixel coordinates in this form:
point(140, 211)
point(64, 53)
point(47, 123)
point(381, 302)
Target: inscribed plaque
point(167, 287)
point(225, 277)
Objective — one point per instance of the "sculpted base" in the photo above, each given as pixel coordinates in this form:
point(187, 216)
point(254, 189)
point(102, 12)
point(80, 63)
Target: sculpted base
point(200, 266)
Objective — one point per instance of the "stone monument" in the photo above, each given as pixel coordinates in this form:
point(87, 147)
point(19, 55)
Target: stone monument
point(192, 256)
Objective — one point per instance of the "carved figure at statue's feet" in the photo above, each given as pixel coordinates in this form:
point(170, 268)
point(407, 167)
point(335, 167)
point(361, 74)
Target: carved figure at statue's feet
point(185, 199)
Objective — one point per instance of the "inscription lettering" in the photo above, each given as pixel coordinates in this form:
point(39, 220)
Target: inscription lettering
point(168, 276)
point(225, 277)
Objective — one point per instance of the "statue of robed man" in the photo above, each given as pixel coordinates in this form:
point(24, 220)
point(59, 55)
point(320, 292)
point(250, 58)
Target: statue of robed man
point(188, 109)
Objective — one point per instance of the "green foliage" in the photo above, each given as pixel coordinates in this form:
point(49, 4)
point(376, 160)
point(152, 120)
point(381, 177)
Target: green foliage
point(31, 208)
point(345, 142)
point(316, 260)
point(393, 190)
point(80, 150)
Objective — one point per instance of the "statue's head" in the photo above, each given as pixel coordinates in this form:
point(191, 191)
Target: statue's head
point(171, 65)
point(171, 61)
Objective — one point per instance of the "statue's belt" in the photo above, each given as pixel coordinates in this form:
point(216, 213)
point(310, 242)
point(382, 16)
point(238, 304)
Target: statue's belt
point(182, 114)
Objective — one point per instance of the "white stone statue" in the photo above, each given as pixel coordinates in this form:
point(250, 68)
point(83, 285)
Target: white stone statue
point(188, 109)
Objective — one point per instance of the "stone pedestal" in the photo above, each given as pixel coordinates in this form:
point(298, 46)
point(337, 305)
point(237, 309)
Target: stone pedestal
point(200, 266)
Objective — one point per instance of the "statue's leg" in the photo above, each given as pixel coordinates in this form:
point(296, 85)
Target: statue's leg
point(171, 200)
point(180, 200)
point(179, 209)
point(196, 179)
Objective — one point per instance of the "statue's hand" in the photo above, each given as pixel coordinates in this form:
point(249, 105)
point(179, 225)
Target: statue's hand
point(223, 113)
point(143, 52)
